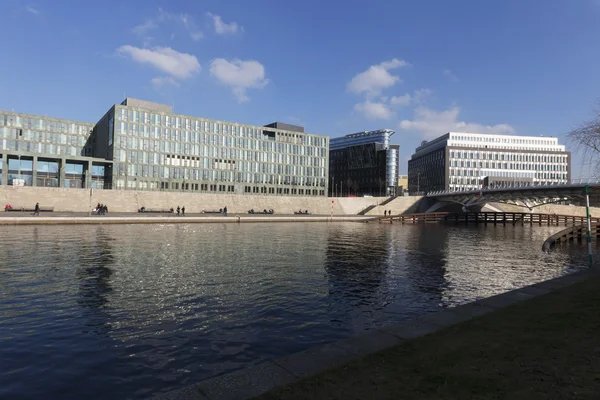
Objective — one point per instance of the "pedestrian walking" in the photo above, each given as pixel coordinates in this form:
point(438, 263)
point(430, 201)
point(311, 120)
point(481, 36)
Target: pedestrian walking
point(36, 210)
point(183, 211)
point(225, 211)
point(390, 213)
point(384, 213)
point(178, 211)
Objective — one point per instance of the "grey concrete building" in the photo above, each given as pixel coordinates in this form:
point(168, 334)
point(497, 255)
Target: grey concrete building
point(460, 161)
point(43, 151)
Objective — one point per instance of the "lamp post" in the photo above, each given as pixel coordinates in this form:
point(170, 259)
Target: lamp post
point(589, 223)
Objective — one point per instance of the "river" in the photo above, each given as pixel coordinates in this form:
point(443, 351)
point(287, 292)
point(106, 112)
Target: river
point(126, 311)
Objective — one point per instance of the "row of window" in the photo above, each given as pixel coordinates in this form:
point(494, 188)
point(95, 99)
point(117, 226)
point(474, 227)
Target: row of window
point(39, 148)
point(143, 171)
point(51, 125)
point(247, 162)
point(506, 165)
point(41, 136)
point(209, 165)
point(546, 158)
point(217, 188)
point(509, 174)
point(198, 125)
point(175, 138)
point(50, 167)
point(506, 140)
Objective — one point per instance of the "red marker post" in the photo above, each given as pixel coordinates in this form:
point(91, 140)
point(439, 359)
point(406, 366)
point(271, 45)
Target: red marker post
point(332, 203)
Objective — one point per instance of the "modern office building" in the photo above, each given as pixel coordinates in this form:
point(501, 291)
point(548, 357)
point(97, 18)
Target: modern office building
point(466, 161)
point(145, 146)
point(43, 151)
point(363, 163)
point(154, 149)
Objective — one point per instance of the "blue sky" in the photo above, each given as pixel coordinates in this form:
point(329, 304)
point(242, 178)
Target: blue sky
point(421, 68)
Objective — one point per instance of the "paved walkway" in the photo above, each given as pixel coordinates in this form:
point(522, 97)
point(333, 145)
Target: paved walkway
point(267, 377)
point(26, 218)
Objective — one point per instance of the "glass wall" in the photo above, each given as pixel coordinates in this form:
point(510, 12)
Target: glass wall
point(74, 175)
point(47, 173)
point(20, 172)
point(42, 135)
point(98, 172)
point(181, 153)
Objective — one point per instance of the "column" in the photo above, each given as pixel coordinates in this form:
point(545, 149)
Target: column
point(5, 169)
point(34, 164)
point(88, 175)
point(61, 177)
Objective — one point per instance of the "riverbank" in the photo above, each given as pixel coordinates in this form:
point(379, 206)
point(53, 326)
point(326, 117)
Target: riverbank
point(130, 218)
point(542, 348)
point(536, 342)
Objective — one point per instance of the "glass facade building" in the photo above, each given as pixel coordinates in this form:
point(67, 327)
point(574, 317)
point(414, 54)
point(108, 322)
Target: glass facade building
point(154, 149)
point(364, 163)
point(465, 161)
point(43, 151)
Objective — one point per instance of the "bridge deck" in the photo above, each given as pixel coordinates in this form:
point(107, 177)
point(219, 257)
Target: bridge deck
point(488, 218)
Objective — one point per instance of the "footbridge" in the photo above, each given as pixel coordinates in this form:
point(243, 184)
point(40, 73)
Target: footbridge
point(486, 218)
point(527, 196)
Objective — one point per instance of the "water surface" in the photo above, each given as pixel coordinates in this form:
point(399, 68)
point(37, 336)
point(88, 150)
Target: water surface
point(126, 311)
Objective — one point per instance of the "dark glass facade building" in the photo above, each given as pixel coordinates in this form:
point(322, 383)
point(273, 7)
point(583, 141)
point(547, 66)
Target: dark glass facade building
point(363, 163)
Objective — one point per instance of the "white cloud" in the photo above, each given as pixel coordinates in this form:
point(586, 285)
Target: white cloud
point(376, 78)
point(183, 20)
point(161, 81)
point(177, 65)
point(421, 95)
point(400, 100)
point(196, 35)
point(144, 28)
point(239, 75)
point(450, 75)
point(374, 110)
point(32, 10)
point(431, 123)
point(222, 28)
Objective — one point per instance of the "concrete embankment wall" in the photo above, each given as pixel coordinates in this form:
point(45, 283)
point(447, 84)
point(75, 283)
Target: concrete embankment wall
point(559, 209)
point(82, 200)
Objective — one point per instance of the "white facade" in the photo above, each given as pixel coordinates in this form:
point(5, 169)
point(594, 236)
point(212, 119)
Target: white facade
point(516, 159)
point(504, 160)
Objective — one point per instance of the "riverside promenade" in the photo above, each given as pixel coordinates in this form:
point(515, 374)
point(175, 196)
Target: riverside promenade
point(26, 218)
point(535, 342)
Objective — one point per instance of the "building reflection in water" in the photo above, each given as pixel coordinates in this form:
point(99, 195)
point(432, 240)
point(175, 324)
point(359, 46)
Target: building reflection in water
point(95, 257)
point(166, 304)
point(357, 262)
point(425, 263)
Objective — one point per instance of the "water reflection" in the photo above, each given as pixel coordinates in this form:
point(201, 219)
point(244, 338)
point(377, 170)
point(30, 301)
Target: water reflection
point(93, 275)
point(125, 311)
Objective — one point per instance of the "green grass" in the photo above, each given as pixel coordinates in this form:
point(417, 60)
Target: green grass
point(544, 348)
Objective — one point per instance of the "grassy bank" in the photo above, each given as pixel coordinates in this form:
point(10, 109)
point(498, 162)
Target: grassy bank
point(544, 348)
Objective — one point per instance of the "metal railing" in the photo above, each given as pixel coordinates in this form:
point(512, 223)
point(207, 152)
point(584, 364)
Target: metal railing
point(519, 186)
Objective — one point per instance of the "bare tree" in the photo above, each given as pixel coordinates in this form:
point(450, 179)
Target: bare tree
point(586, 138)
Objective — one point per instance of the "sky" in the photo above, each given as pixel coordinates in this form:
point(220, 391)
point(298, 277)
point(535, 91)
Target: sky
point(421, 68)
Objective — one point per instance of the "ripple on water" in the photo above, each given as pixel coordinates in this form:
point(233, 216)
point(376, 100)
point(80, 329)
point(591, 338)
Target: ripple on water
point(126, 311)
